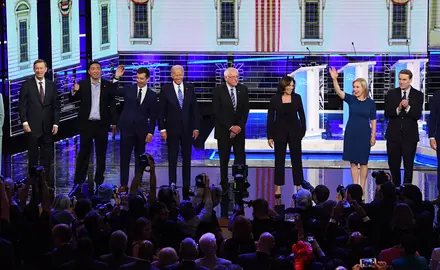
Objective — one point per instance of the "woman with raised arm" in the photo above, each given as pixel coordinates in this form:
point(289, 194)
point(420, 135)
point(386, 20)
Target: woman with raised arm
point(286, 124)
point(360, 131)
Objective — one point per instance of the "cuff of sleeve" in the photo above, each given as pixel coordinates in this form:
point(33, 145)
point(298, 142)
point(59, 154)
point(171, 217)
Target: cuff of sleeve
point(163, 130)
point(365, 219)
point(407, 109)
point(25, 123)
point(56, 126)
point(398, 111)
point(72, 93)
point(332, 220)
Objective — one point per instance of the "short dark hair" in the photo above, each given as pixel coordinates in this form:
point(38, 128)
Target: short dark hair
point(146, 71)
point(92, 63)
point(284, 82)
point(261, 207)
point(406, 72)
point(40, 61)
point(322, 193)
point(355, 192)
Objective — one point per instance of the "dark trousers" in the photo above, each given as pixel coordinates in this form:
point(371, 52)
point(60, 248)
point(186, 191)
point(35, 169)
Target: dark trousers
point(395, 151)
point(43, 156)
point(97, 131)
point(184, 141)
point(295, 159)
point(130, 140)
point(224, 151)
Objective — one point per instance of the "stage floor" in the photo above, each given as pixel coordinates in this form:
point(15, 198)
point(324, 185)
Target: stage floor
point(322, 161)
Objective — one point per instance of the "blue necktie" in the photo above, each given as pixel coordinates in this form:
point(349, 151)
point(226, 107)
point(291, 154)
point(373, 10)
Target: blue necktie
point(233, 98)
point(180, 96)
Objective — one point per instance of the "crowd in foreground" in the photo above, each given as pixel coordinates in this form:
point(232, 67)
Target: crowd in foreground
point(129, 229)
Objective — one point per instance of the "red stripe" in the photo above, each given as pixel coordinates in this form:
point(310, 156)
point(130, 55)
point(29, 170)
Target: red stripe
point(279, 23)
point(262, 25)
point(268, 26)
point(274, 12)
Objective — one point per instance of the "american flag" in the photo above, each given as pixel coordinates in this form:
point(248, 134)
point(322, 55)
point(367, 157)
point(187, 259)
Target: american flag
point(267, 25)
point(264, 185)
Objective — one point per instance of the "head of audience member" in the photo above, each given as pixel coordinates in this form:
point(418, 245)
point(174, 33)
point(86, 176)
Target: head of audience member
point(142, 77)
point(95, 70)
point(118, 243)
point(93, 223)
point(167, 256)
point(304, 199)
point(409, 244)
point(61, 202)
point(106, 191)
point(387, 193)
point(146, 251)
point(286, 86)
point(320, 194)
point(231, 76)
point(412, 195)
point(242, 228)
point(136, 206)
point(142, 229)
point(208, 244)
point(165, 195)
point(61, 234)
point(216, 195)
point(82, 207)
point(266, 242)
point(84, 249)
point(40, 68)
point(188, 249)
point(354, 192)
point(159, 213)
point(261, 209)
point(177, 73)
point(403, 217)
point(354, 222)
point(356, 239)
point(328, 206)
point(187, 210)
point(405, 79)
point(360, 88)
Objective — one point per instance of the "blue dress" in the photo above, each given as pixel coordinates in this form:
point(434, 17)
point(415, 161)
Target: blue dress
point(358, 131)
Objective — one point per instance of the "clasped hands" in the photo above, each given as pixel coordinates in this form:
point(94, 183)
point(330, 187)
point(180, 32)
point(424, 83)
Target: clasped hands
point(403, 104)
point(234, 131)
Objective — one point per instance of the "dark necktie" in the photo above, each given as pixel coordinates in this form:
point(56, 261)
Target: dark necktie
point(233, 98)
point(404, 95)
point(139, 96)
point(41, 92)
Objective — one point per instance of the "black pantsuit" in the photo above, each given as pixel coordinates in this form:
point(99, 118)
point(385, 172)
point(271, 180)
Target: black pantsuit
point(227, 116)
point(402, 132)
point(95, 131)
point(285, 128)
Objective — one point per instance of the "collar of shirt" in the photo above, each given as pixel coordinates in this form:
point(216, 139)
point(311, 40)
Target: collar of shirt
point(403, 91)
point(144, 89)
point(176, 88)
point(97, 83)
point(230, 87)
point(38, 81)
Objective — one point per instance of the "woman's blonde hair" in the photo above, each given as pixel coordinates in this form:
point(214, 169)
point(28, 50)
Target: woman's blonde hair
point(364, 85)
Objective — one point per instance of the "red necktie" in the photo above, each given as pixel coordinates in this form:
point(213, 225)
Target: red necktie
point(41, 92)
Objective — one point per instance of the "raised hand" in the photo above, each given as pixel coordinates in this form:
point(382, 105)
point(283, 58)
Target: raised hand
point(75, 87)
point(333, 73)
point(120, 71)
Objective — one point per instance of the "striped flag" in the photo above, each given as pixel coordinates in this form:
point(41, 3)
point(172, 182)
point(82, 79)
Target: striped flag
point(267, 28)
point(264, 185)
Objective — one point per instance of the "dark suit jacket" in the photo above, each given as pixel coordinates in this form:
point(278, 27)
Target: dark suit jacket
point(172, 117)
point(225, 116)
point(58, 257)
point(434, 117)
point(403, 126)
point(259, 260)
point(107, 103)
point(277, 128)
point(115, 262)
point(186, 265)
point(134, 118)
point(40, 116)
point(138, 265)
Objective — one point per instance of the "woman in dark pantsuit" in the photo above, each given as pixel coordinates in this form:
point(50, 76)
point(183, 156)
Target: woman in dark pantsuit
point(286, 124)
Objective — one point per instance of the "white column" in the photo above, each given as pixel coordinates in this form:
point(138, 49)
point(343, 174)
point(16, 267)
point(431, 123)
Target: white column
point(312, 114)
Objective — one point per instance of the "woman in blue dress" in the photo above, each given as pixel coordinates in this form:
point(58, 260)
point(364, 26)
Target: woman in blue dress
point(360, 131)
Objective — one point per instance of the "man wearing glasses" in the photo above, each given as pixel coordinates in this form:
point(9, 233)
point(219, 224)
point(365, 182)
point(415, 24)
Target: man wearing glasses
point(230, 103)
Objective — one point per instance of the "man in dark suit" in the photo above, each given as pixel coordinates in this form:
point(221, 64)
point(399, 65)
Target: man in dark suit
point(138, 120)
point(96, 113)
point(179, 123)
point(403, 107)
point(434, 131)
point(230, 103)
point(40, 115)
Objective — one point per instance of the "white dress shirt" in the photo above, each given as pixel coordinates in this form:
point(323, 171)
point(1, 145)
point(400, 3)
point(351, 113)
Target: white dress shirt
point(176, 89)
point(144, 92)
